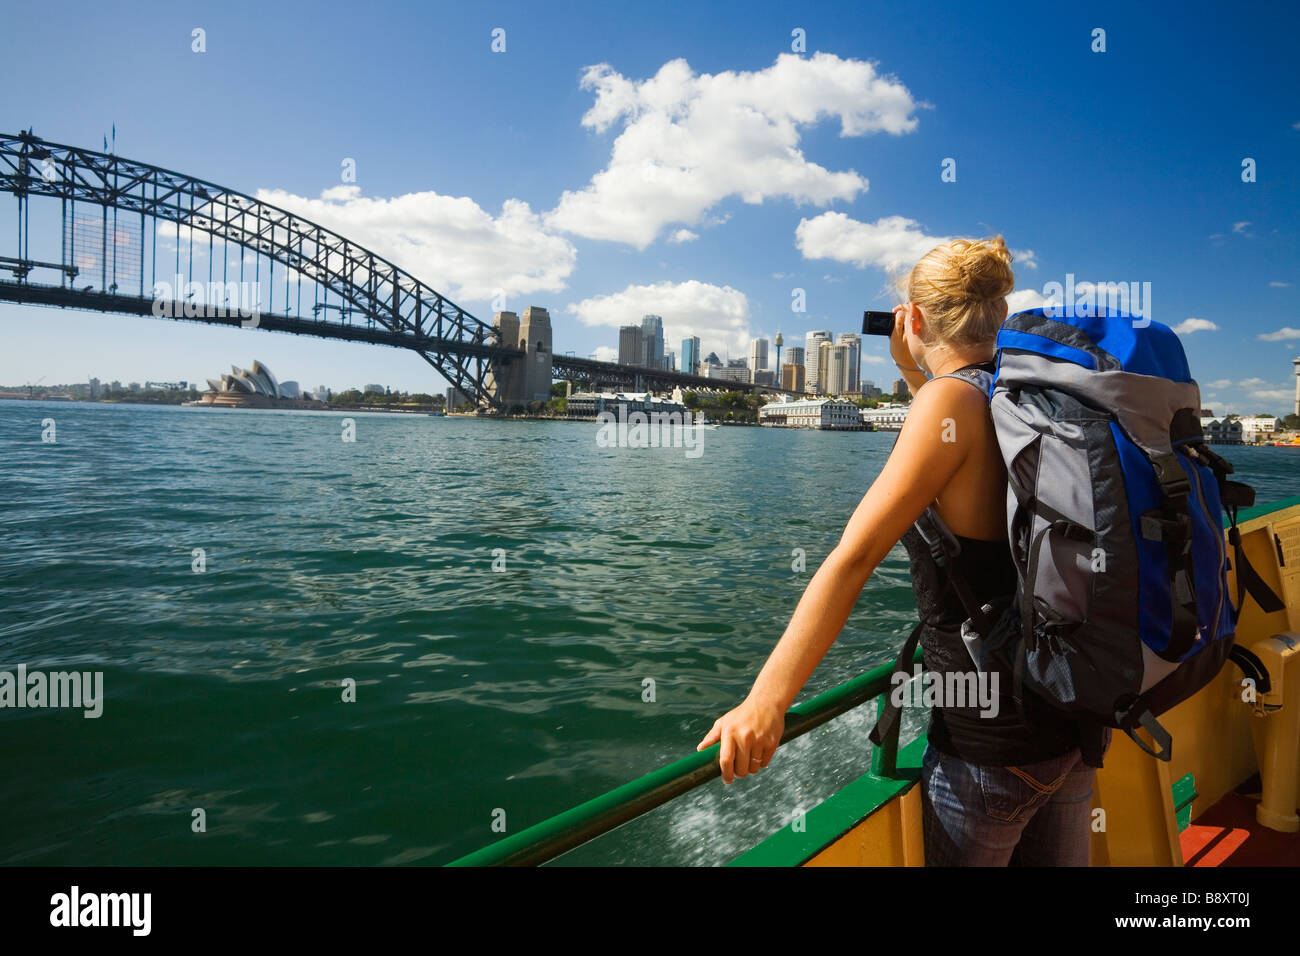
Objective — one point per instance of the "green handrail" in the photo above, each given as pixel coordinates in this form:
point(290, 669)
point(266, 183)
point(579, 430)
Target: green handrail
point(550, 838)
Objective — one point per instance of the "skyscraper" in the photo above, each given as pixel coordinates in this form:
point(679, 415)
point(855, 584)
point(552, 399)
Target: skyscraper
point(813, 341)
point(833, 368)
point(792, 376)
point(854, 342)
point(794, 355)
point(631, 345)
point(758, 355)
point(691, 355)
point(652, 328)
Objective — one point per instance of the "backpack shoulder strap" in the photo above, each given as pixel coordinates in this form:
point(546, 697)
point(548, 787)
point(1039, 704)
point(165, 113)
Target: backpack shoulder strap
point(975, 375)
point(944, 549)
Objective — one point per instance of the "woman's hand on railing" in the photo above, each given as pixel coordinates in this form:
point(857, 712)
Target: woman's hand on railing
point(750, 735)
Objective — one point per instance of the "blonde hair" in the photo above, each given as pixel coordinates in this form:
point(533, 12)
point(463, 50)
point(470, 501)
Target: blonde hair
point(961, 285)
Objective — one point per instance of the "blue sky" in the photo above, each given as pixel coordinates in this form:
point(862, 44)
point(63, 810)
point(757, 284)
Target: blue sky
point(685, 160)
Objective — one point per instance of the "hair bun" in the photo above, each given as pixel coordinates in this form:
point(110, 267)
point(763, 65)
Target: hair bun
point(983, 268)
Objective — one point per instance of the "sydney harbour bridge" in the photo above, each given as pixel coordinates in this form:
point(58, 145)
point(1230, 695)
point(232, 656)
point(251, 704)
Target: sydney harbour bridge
point(110, 233)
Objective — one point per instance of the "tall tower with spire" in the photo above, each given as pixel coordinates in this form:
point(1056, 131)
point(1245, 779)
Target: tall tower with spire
point(780, 341)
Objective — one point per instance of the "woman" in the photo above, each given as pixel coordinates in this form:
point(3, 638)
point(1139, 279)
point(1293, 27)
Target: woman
point(997, 788)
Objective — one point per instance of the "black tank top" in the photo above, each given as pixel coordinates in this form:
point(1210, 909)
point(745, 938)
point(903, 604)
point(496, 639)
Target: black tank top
point(1002, 740)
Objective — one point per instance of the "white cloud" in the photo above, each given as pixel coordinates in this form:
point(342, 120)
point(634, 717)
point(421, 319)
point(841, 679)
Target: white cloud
point(683, 235)
point(874, 359)
point(448, 242)
point(1286, 332)
point(1250, 383)
point(719, 315)
point(890, 243)
point(605, 353)
point(1279, 285)
point(690, 141)
point(1188, 326)
point(1272, 394)
point(1220, 383)
point(1023, 299)
point(1240, 227)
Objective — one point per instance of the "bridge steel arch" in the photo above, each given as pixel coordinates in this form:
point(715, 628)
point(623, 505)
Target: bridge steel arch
point(409, 313)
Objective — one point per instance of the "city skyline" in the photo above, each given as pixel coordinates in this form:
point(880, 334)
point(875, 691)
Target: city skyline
point(564, 201)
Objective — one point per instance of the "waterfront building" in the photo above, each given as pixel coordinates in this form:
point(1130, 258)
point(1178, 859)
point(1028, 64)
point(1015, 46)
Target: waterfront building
point(812, 349)
point(1221, 431)
point(1255, 428)
point(691, 355)
point(589, 405)
point(831, 414)
point(888, 417)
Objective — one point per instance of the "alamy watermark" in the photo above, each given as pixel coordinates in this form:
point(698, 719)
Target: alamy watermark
point(211, 300)
point(946, 689)
point(83, 689)
point(76, 908)
point(1086, 299)
point(674, 429)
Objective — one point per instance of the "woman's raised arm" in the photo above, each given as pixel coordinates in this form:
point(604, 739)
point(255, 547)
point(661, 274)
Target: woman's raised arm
point(931, 447)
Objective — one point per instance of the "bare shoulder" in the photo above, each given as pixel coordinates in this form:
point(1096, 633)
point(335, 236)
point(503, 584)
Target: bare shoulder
point(949, 398)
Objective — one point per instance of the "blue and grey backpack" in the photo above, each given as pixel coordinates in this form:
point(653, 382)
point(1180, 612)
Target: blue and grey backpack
point(1115, 509)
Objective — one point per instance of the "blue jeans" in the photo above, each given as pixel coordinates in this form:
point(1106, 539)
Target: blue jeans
point(1037, 814)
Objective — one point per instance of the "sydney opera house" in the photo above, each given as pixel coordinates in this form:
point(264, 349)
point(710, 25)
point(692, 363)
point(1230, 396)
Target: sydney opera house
point(255, 387)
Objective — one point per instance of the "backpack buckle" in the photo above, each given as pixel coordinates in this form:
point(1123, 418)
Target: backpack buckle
point(1174, 531)
point(943, 546)
point(1173, 480)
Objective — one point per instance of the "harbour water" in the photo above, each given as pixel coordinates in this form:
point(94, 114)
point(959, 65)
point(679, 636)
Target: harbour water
point(502, 595)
